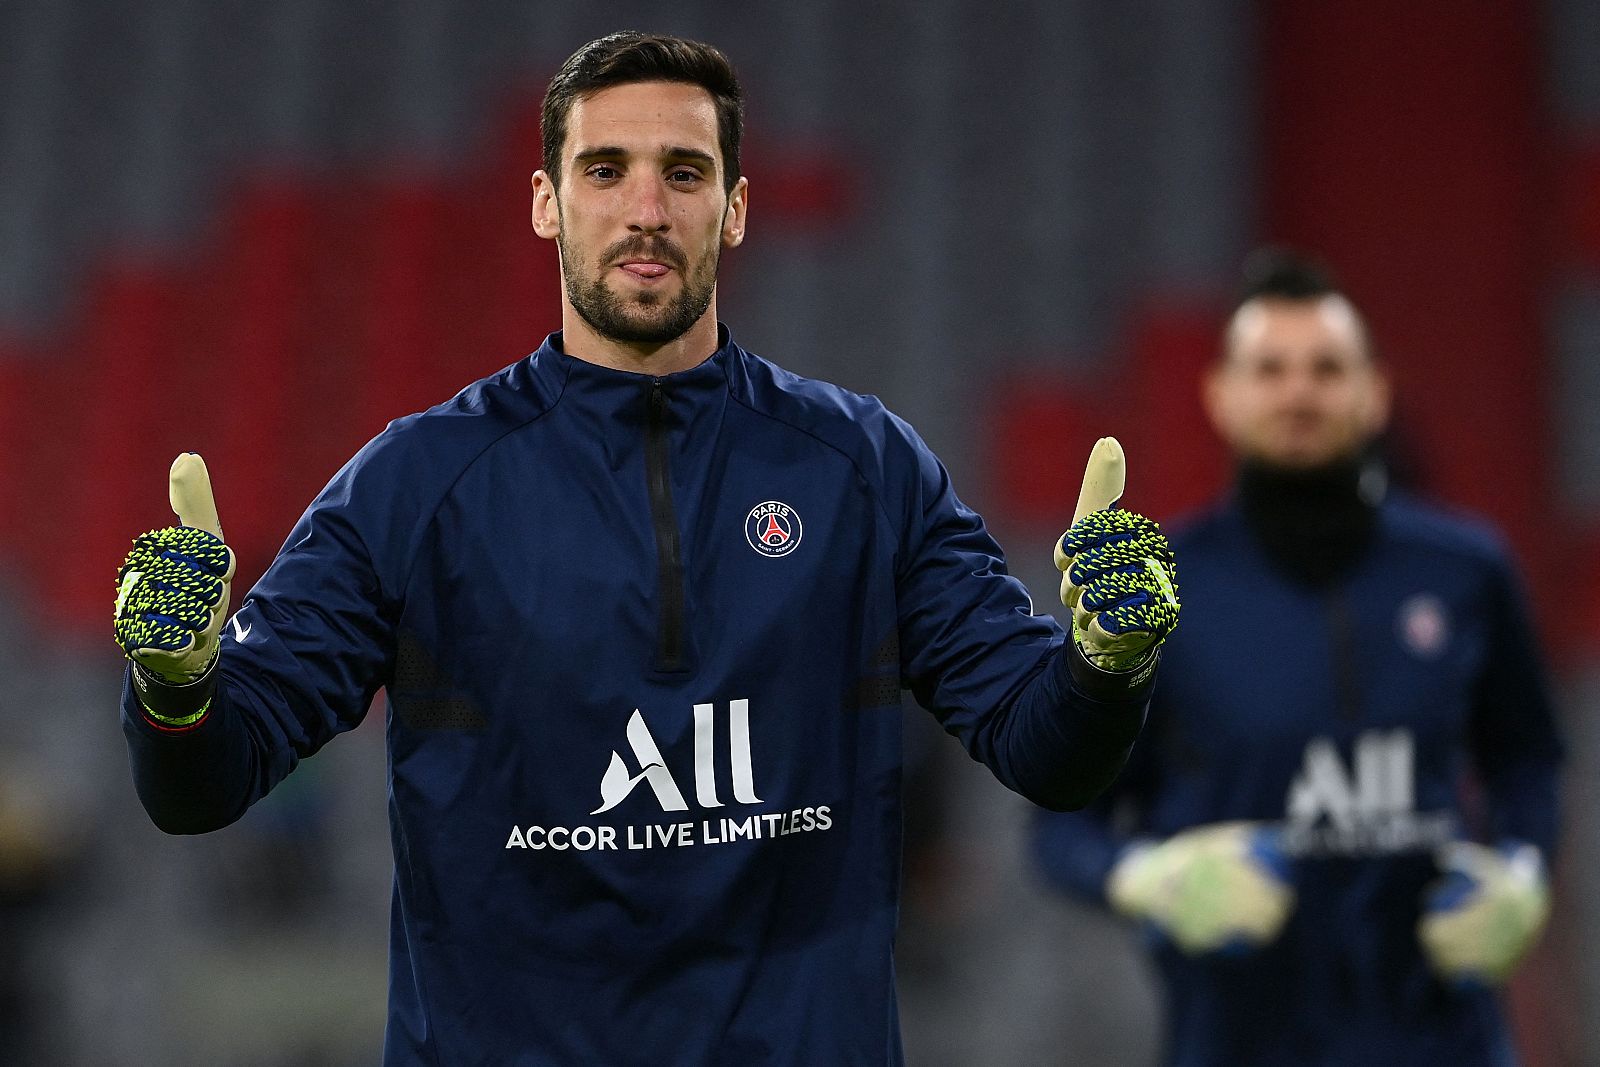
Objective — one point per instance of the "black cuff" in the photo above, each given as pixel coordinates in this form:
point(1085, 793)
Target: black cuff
point(1111, 686)
point(174, 707)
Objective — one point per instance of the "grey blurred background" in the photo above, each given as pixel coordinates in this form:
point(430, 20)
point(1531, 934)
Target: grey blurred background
point(288, 221)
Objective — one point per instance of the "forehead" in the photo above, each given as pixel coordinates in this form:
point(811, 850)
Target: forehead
point(643, 117)
point(1291, 328)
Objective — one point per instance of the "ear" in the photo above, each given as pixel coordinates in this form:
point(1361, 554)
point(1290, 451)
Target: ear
point(1380, 401)
point(1213, 396)
point(733, 219)
point(546, 208)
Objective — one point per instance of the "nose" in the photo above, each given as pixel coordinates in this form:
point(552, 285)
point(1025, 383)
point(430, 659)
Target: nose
point(650, 210)
point(1301, 386)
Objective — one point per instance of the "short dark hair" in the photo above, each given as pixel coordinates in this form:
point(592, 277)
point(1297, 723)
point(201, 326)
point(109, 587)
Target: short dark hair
point(1277, 273)
point(627, 57)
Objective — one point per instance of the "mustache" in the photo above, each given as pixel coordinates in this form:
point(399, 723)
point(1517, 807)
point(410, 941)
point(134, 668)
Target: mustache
point(645, 246)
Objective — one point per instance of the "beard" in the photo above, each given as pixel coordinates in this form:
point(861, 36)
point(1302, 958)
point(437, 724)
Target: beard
point(645, 317)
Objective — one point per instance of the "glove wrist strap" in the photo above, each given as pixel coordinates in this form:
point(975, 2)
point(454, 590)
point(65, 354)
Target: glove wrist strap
point(1101, 684)
point(175, 707)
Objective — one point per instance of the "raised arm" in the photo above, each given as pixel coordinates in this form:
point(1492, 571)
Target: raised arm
point(1023, 700)
point(214, 715)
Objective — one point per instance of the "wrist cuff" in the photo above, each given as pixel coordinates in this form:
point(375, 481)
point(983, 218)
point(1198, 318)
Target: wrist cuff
point(1133, 684)
point(174, 708)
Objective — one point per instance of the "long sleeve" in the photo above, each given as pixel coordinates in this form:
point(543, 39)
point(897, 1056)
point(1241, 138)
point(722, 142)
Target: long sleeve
point(1514, 735)
point(1004, 681)
point(1075, 851)
point(300, 662)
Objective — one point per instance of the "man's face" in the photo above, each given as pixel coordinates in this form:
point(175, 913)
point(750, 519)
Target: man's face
point(1297, 387)
point(641, 217)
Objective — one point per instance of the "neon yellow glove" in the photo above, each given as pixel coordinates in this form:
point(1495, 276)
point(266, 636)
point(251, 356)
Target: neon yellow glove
point(172, 590)
point(1223, 887)
point(1481, 917)
point(1117, 574)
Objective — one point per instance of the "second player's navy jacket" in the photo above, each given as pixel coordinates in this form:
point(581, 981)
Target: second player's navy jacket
point(1401, 708)
point(644, 640)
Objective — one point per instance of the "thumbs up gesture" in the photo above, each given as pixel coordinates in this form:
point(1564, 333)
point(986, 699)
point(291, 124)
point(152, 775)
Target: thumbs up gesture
point(1117, 575)
point(172, 591)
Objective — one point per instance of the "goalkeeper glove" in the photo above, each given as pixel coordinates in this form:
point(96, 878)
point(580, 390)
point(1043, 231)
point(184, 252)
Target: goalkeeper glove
point(1485, 912)
point(1118, 577)
point(1217, 888)
point(172, 591)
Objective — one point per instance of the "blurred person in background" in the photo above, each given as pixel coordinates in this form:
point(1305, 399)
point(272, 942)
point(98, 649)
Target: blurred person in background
point(641, 565)
point(1337, 827)
point(31, 867)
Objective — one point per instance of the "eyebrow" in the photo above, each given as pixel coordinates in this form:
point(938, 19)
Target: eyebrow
point(674, 152)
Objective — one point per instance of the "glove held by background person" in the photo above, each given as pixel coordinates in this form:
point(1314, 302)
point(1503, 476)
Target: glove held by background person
point(1223, 887)
point(172, 598)
point(1485, 911)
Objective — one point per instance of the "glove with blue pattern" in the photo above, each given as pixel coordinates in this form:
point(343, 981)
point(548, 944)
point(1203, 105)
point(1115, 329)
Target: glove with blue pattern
point(172, 590)
point(1118, 577)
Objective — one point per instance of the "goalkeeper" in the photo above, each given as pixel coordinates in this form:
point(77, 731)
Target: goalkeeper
point(643, 605)
point(1292, 835)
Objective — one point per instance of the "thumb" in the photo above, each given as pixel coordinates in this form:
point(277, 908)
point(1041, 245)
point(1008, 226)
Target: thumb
point(1103, 479)
point(189, 490)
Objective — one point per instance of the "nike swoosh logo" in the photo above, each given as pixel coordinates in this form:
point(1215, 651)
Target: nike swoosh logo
point(241, 632)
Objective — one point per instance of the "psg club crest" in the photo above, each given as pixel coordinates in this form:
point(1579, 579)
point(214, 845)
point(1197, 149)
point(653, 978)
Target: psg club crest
point(772, 528)
point(1424, 625)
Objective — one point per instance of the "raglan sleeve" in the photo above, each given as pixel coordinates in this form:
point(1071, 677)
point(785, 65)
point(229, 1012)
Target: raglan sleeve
point(1514, 731)
point(1004, 681)
point(300, 662)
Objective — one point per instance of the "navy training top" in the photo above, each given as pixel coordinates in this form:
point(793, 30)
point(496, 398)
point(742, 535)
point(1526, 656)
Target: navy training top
point(1404, 707)
point(643, 640)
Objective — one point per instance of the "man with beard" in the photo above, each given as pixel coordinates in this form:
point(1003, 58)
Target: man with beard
point(1336, 830)
point(644, 604)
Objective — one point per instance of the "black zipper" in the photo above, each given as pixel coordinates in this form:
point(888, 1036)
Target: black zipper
point(669, 563)
point(1346, 665)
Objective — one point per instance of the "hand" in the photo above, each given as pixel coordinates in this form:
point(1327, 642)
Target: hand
point(172, 591)
point(1118, 577)
point(1485, 911)
point(1217, 888)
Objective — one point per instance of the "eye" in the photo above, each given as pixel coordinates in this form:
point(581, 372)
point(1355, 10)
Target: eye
point(603, 172)
point(1270, 369)
point(1328, 368)
point(683, 176)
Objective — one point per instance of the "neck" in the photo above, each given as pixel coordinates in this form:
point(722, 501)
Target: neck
point(1314, 524)
point(689, 349)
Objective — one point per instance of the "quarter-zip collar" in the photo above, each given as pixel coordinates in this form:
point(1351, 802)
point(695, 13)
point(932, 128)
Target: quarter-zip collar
point(662, 430)
point(620, 394)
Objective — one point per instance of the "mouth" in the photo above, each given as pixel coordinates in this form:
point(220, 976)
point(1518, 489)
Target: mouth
point(645, 270)
point(1300, 421)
